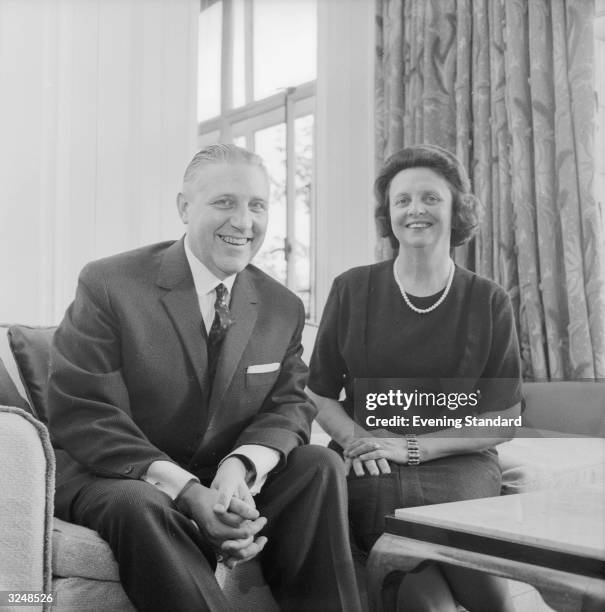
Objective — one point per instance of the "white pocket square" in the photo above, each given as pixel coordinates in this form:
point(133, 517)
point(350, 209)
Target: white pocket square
point(262, 368)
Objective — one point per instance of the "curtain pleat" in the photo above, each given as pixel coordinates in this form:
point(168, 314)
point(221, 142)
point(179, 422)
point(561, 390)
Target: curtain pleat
point(508, 86)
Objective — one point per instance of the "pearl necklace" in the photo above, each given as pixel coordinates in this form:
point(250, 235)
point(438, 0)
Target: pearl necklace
point(450, 278)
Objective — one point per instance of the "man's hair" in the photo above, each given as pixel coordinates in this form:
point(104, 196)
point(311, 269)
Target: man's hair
point(220, 154)
point(466, 208)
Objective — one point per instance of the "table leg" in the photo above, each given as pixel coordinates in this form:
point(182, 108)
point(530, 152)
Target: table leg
point(389, 558)
point(564, 600)
point(394, 555)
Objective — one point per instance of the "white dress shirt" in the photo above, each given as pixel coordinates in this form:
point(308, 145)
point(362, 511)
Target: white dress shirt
point(168, 476)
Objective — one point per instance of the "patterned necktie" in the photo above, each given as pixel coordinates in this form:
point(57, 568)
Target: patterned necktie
point(222, 316)
point(222, 322)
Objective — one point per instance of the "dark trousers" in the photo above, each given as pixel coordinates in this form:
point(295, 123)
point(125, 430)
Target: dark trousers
point(167, 565)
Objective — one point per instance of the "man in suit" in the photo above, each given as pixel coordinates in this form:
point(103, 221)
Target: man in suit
point(177, 395)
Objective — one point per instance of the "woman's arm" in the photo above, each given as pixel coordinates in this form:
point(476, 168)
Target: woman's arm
point(334, 420)
point(452, 442)
point(433, 445)
point(344, 431)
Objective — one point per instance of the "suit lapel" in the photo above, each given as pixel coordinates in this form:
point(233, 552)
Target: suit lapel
point(182, 305)
point(244, 307)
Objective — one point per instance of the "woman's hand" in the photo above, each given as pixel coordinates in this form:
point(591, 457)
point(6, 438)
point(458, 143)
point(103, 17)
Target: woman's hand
point(372, 467)
point(374, 455)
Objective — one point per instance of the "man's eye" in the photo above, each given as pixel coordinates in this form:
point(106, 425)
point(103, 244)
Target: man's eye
point(258, 206)
point(222, 203)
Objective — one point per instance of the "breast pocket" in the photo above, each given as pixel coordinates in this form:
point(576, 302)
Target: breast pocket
point(259, 379)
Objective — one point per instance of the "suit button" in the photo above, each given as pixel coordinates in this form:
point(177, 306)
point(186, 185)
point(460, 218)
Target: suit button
point(128, 469)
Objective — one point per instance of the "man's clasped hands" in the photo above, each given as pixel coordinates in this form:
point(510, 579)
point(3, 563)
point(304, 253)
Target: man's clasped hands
point(226, 513)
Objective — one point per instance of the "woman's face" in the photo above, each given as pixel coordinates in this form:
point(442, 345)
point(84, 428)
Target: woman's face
point(420, 203)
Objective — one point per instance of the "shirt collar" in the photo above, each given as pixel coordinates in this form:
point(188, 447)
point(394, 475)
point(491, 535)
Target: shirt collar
point(203, 279)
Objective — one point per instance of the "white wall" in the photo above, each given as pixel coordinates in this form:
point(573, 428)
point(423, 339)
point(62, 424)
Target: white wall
point(97, 123)
point(98, 120)
point(599, 183)
point(345, 229)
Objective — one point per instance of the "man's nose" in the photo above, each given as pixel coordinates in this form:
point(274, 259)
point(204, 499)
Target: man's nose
point(241, 218)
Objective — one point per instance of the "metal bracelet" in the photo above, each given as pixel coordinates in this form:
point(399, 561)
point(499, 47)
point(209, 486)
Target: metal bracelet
point(413, 449)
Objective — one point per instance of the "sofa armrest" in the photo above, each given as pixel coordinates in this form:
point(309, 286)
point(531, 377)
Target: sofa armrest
point(26, 504)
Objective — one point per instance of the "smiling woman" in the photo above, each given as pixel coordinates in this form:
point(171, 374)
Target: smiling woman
point(443, 166)
point(419, 319)
point(420, 205)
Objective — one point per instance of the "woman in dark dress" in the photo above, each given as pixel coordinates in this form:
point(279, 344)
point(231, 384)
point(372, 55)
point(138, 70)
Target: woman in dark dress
point(420, 317)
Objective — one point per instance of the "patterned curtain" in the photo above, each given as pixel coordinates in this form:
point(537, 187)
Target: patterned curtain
point(508, 86)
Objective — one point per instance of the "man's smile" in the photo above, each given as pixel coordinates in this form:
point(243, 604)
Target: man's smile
point(235, 240)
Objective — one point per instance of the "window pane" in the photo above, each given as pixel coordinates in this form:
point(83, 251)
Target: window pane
point(303, 129)
point(239, 62)
point(209, 64)
point(285, 40)
point(270, 144)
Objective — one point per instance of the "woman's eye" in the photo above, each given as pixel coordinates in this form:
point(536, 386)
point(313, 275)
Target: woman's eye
point(432, 199)
point(402, 201)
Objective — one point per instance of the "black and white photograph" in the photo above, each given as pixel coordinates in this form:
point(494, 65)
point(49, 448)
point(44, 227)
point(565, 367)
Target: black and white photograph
point(303, 305)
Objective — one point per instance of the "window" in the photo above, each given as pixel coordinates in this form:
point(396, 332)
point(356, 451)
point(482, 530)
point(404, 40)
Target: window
point(256, 88)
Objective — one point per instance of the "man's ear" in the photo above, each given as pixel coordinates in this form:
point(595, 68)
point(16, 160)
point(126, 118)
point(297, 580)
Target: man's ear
point(182, 206)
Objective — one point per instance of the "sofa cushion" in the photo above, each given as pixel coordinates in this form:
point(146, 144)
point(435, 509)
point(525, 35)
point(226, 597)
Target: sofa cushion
point(79, 551)
point(10, 365)
point(9, 395)
point(76, 594)
point(31, 348)
point(574, 406)
point(82, 562)
point(552, 461)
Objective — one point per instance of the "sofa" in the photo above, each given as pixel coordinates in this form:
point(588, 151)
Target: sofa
point(560, 445)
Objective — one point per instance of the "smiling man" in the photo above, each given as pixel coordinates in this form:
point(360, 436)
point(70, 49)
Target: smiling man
point(225, 208)
point(177, 396)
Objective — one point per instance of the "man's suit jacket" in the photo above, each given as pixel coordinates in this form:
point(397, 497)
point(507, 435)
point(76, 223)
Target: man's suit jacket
point(128, 382)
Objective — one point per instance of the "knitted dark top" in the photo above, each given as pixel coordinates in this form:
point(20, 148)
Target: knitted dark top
point(367, 331)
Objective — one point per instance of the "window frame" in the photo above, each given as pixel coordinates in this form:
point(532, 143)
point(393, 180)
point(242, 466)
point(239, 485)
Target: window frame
point(285, 107)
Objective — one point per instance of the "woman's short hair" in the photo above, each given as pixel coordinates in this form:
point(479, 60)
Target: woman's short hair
point(466, 208)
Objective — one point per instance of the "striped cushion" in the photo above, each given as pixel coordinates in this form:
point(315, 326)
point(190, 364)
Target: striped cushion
point(11, 386)
point(31, 349)
point(9, 395)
